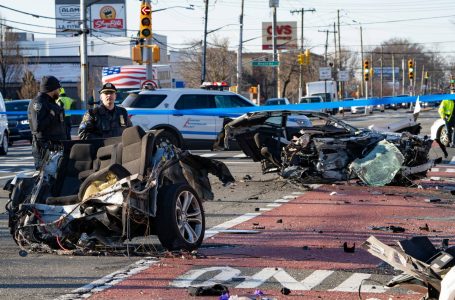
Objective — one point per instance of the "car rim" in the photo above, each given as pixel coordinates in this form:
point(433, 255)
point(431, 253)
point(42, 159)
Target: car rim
point(444, 138)
point(189, 217)
point(5, 143)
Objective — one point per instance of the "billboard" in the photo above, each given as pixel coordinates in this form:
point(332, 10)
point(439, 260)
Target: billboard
point(104, 18)
point(286, 35)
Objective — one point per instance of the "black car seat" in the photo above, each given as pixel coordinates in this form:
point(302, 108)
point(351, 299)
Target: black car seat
point(136, 153)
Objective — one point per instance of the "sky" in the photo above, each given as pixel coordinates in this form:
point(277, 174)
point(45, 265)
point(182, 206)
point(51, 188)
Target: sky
point(430, 23)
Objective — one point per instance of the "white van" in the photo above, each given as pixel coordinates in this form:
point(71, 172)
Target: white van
point(3, 128)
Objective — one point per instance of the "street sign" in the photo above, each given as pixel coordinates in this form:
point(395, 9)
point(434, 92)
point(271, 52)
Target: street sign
point(146, 84)
point(343, 75)
point(145, 10)
point(265, 63)
point(325, 73)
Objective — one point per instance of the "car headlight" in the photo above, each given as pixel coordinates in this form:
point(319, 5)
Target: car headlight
point(24, 122)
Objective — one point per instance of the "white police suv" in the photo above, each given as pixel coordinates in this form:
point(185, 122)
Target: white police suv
point(183, 130)
point(3, 128)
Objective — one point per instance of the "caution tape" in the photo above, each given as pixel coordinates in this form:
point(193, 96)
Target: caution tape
point(237, 111)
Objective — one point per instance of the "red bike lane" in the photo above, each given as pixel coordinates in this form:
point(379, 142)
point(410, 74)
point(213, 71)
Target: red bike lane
point(298, 244)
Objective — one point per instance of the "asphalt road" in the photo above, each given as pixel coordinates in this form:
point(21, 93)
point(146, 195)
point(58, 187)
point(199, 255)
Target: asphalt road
point(44, 276)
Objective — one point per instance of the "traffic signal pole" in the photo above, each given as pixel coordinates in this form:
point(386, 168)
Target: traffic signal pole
point(148, 55)
point(83, 53)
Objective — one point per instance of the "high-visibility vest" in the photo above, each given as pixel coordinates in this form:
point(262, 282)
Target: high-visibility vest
point(65, 102)
point(446, 109)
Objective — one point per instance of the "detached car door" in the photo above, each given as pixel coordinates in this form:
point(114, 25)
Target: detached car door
point(195, 127)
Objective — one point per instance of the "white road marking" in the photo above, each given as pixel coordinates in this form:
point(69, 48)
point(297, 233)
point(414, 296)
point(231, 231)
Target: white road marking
point(265, 209)
point(228, 224)
point(282, 200)
point(208, 154)
point(237, 162)
point(352, 283)
point(274, 205)
point(241, 155)
point(109, 280)
point(290, 197)
point(316, 278)
point(447, 170)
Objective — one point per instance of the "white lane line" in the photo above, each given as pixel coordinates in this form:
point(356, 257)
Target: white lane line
point(447, 170)
point(316, 278)
point(265, 209)
point(242, 155)
point(290, 197)
point(228, 224)
point(282, 200)
point(274, 205)
point(297, 193)
point(109, 280)
point(208, 154)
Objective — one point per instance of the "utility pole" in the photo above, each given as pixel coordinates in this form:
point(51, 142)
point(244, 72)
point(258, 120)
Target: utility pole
point(239, 53)
point(362, 82)
point(340, 84)
point(371, 75)
point(382, 77)
point(204, 49)
point(335, 43)
point(83, 53)
point(302, 13)
point(393, 74)
point(274, 4)
point(148, 50)
point(404, 76)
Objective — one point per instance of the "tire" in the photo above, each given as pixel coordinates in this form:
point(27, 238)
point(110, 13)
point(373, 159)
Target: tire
point(442, 136)
point(175, 230)
point(4, 145)
point(167, 137)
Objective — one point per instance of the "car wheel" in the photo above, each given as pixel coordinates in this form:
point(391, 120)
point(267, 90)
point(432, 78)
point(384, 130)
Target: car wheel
point(167, 137)
point(180, 218)
point(443, 136)
point(4, 145)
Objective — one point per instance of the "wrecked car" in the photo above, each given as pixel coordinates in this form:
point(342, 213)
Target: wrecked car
point(102, 193)
point(327, 149)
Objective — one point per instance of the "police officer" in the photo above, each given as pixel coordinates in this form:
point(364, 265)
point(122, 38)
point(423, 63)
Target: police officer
point(105, 120)
point(46, 118)
point(65, 102)
point(446, 112)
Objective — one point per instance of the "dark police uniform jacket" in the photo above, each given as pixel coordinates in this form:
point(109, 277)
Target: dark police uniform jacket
point(99, 122)
point(46, 118)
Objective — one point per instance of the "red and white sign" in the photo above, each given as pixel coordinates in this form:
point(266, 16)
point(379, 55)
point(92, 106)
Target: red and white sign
point(145, 10)
point(286, 35)
point(108, 23)
point(148, 83)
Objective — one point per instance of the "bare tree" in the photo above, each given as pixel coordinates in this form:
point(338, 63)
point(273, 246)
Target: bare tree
point(10, 59)
point(30, 87)
point(220, 63)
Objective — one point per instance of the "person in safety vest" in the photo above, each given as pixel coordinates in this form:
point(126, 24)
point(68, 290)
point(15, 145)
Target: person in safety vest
point(65, 102)
point(446, 112)
point(46, 118)
point(105, 120)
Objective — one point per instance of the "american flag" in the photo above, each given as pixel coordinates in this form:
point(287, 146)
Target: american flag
point(125, 76)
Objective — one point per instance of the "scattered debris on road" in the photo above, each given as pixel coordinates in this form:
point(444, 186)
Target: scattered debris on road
point(391, 228)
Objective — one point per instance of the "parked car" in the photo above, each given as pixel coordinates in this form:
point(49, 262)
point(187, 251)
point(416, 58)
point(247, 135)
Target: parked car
point(18, 126)
point(345, 109)
point(404, 104)
point(3, 128)
point(184, 130)
point(277, 101)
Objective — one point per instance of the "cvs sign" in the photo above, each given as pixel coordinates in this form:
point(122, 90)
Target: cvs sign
point(286, 35)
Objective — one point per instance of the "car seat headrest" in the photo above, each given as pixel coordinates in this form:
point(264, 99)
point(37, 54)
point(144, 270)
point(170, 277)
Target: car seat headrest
point(132, 135)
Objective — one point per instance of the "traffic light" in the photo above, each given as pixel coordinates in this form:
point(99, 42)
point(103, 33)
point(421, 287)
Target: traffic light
point(145, 30)
point(156, 53)
point(307, 57)
point(366, 70)
point(300, 58)
point(136, 54)
point(410, 69)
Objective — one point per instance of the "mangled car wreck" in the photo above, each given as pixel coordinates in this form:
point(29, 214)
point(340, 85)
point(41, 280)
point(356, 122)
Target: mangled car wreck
point(97, 194)
point(314, 147)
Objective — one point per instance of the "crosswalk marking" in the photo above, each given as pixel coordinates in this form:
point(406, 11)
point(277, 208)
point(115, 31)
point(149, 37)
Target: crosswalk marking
point(241, 155)
point(208, 154)
point(316, 278)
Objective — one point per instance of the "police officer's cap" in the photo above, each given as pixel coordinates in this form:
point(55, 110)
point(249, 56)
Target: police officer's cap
point(49, 84)
point(108, 87)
